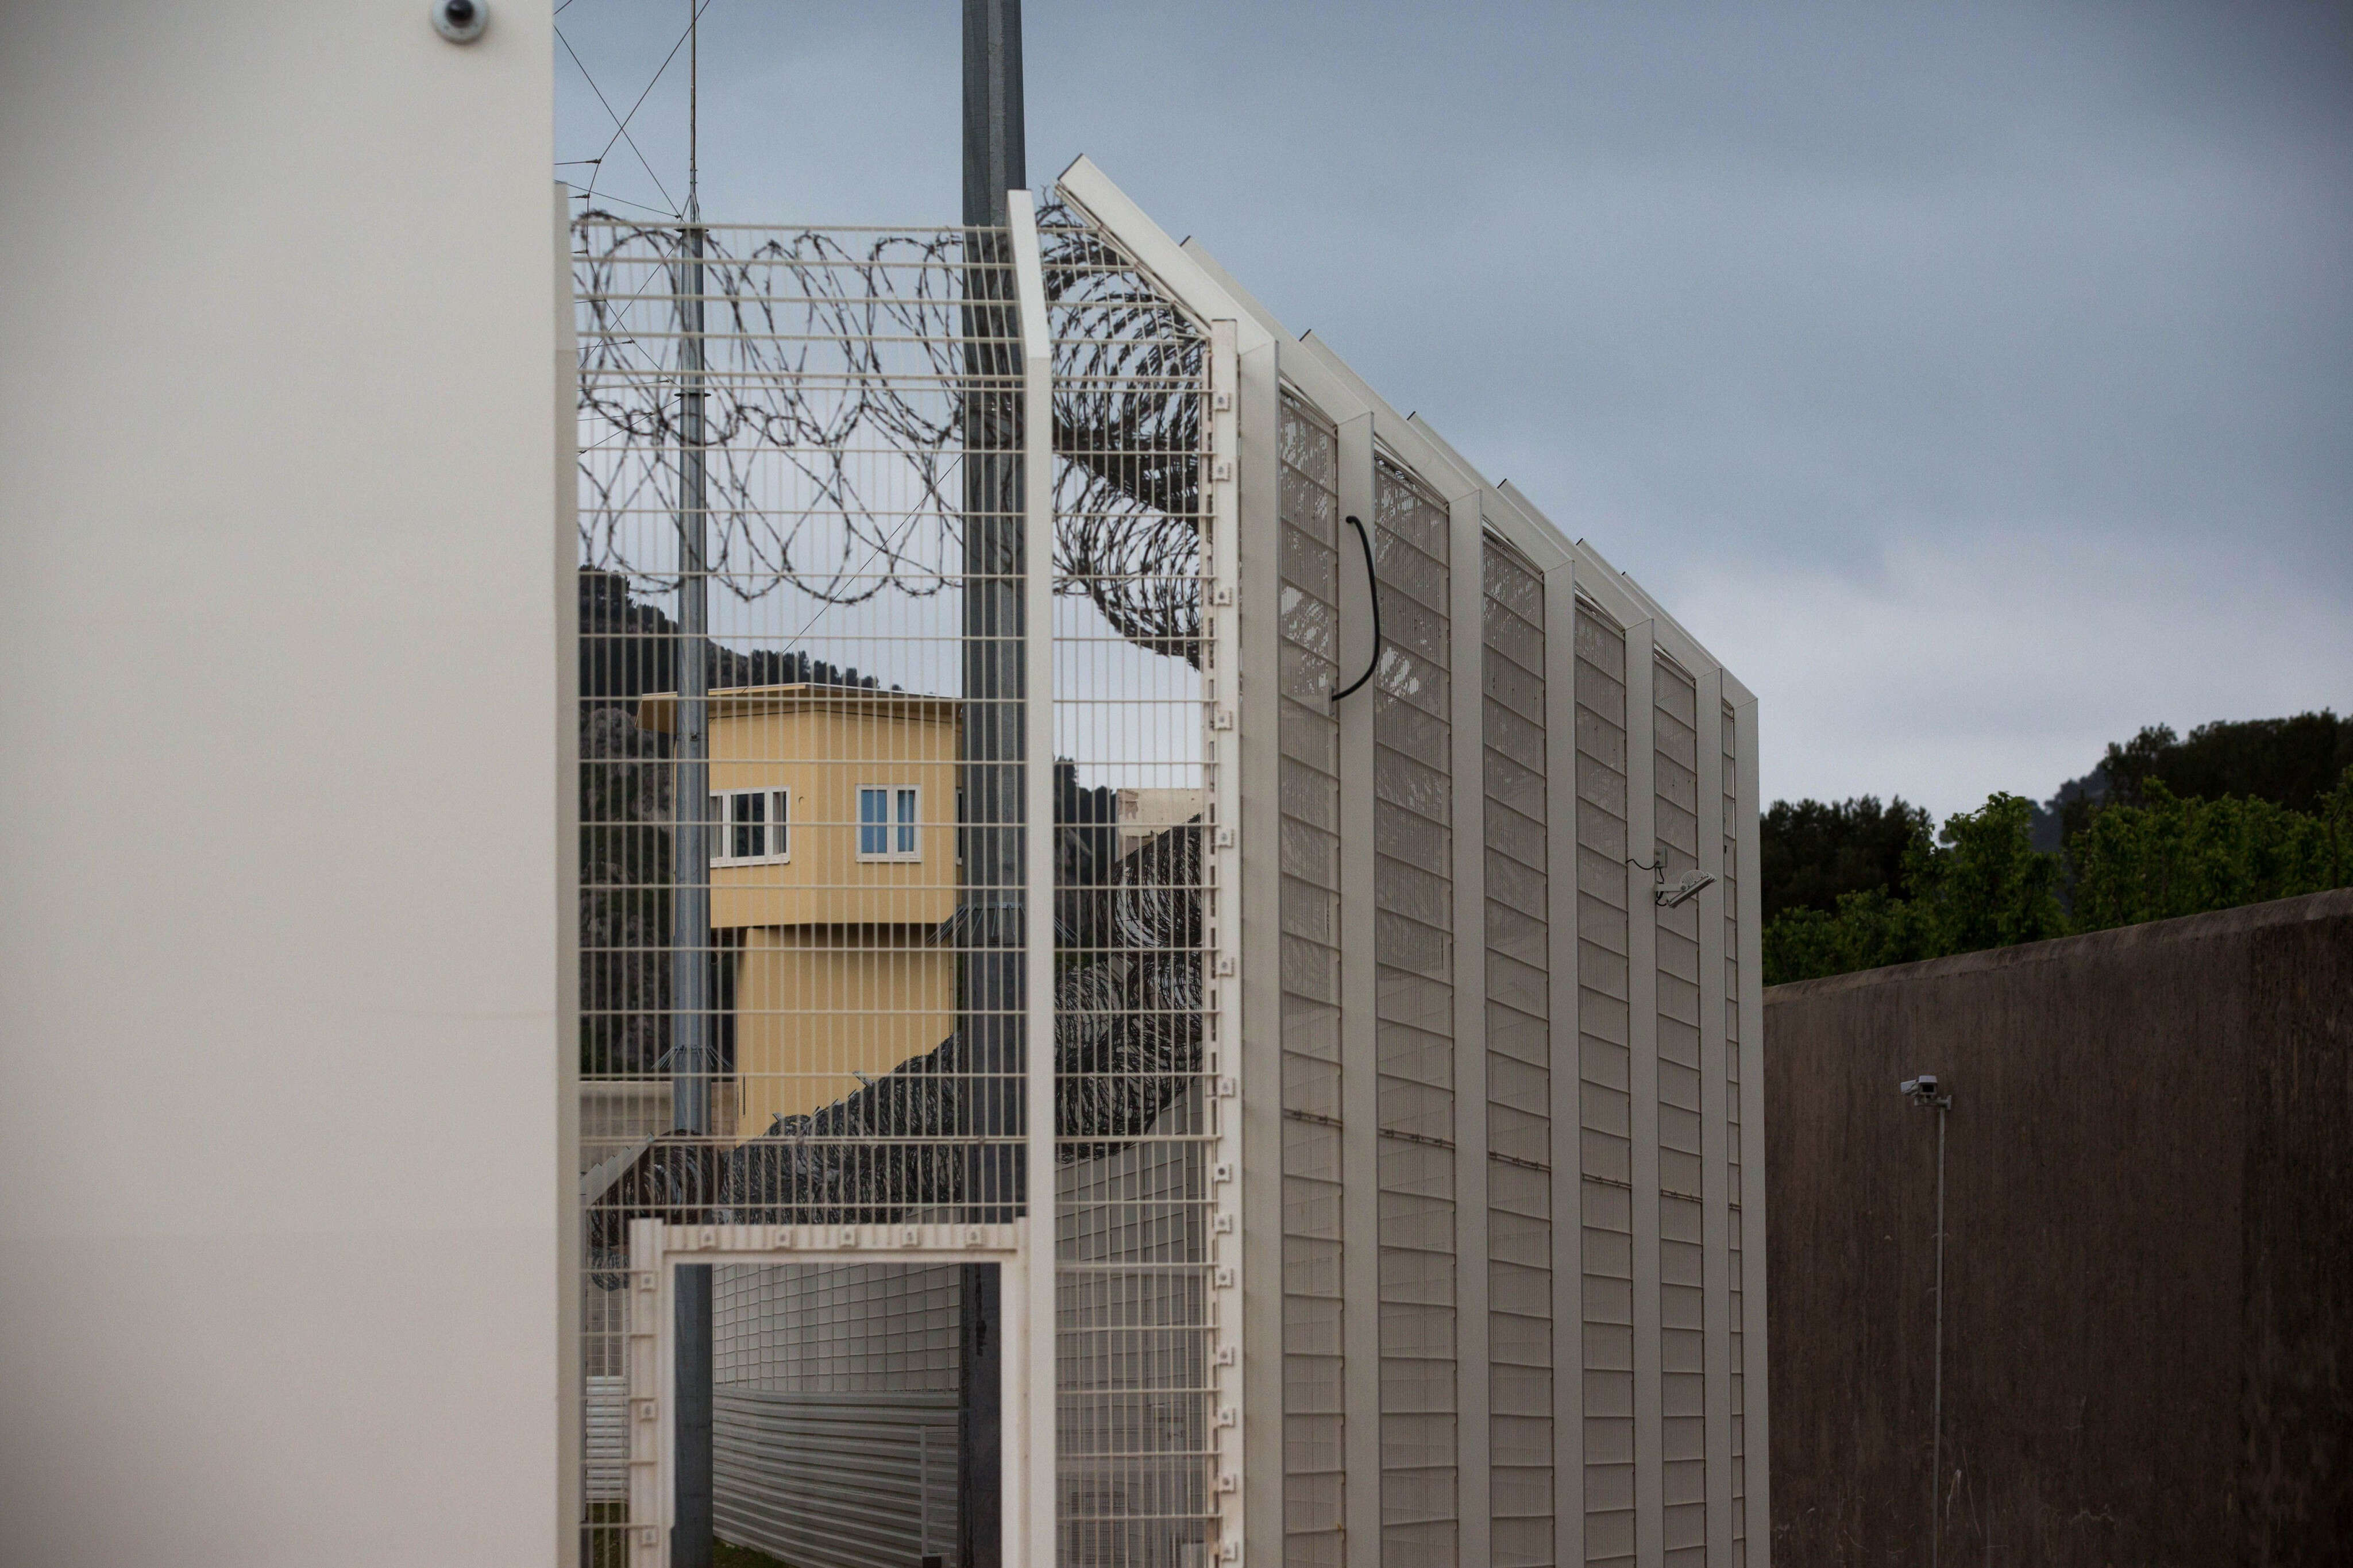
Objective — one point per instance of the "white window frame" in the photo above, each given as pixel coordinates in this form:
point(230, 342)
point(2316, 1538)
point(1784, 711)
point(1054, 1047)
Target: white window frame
point(893, 827)
point(778, 824)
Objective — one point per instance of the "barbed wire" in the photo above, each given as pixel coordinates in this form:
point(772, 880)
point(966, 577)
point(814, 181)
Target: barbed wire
point(845, 379)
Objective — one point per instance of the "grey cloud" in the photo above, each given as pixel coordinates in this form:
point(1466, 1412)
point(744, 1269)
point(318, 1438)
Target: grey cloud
point(1765, 294)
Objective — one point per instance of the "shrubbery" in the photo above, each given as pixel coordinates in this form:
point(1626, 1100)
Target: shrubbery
point(1980, 883)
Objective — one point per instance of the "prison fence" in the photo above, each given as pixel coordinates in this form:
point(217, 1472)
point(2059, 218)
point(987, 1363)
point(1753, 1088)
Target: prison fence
point(807, 737)
point(1003, 648)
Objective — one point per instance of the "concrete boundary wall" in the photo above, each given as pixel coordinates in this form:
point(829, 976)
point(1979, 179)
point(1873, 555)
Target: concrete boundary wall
point(2148, 1352)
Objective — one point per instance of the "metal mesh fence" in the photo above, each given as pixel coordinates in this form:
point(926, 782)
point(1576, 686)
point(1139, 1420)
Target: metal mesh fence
point(803, 746)
point(1135, 913)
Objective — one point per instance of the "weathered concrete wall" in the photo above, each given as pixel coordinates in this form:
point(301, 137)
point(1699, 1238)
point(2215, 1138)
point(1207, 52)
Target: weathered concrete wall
point(2148, 1336)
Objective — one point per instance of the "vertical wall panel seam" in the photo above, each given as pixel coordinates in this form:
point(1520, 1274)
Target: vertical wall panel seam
point(1473, 1394)
point(1715, 1159)
point(1642, 1040)
point(1567, 1120)
point(1258, 1042)
point(1360, 1320)
point(1755, 1435)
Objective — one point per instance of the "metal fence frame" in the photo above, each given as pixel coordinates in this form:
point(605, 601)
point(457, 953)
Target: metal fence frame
point(1678, 1475)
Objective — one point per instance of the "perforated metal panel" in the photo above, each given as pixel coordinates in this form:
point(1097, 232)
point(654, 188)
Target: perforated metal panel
point(1728, 743)
point(1314, 1192)
point(1519, 1064)
point(1682, 1391)
point(1413, 813)
point(1605, 1067)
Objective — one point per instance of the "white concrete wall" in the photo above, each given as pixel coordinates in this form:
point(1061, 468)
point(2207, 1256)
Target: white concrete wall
point(282, 1158)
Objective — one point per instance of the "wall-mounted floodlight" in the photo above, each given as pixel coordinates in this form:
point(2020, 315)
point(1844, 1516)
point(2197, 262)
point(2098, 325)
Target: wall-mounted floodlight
point(1675, 894)
point(1683, 890)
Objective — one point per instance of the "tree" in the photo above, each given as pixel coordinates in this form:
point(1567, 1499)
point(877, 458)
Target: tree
point(1983, 884)
point(1980, 883)
point(2293, 763)
point(2175, 855)
point(1813, 852)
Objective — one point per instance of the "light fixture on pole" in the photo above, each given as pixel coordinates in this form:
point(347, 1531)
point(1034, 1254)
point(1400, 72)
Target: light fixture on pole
point(1922, 1091)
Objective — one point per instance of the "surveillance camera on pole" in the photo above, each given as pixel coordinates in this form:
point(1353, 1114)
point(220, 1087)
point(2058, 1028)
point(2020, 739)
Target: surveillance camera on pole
point(1922, 1092)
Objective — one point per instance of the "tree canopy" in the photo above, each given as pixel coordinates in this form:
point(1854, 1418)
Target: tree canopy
point(2237, 814)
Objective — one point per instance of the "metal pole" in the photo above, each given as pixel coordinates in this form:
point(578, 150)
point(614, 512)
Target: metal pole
point(1037, 1406)
point(1936, 1405)
point(692, 1060)
point(992, 746)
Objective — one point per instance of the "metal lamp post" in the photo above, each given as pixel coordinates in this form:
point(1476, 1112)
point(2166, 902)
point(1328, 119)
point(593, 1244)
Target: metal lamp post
point(1923, 1092)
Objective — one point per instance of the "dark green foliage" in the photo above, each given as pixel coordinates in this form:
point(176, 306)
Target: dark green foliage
point(1980, 884)
point(1983, 884)
point(2172, 856)
point(2238, 813)
point(1813, 852)
point(2293, 763)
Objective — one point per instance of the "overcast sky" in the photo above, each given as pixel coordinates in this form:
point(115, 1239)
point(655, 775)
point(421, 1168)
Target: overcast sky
point(1977, 382)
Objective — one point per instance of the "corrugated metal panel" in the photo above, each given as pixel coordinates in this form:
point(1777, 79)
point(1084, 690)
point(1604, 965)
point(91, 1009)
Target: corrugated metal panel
point(835, 1416)
point(1519, 1065)
point(604, 1414)
point(836, 1480)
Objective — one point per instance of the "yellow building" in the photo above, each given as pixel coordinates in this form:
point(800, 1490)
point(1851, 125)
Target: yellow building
point(834, 858)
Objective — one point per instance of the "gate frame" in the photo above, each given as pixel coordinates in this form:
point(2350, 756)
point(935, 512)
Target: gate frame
point(656, 1248)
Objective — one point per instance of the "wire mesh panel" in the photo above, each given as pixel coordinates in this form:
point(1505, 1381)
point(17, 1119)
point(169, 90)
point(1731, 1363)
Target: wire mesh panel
point(1519, 1063)
point(1140, 1124)
point(1413, 794)
point(1605, 1090)
point(1314, 1197)
point(800, 729)
point(1682, 1385)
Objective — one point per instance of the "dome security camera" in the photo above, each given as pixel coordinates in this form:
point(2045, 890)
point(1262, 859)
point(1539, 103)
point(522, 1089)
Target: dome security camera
point(460, 21)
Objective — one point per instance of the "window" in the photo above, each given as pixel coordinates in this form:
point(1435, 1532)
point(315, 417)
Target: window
point(751, 825)
point(887, 815)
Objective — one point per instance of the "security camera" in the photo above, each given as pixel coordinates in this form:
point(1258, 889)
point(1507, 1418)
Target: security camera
point(460, 21)
point(1921, 1087)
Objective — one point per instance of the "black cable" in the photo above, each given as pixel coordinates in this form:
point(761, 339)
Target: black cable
point(1372, 586)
